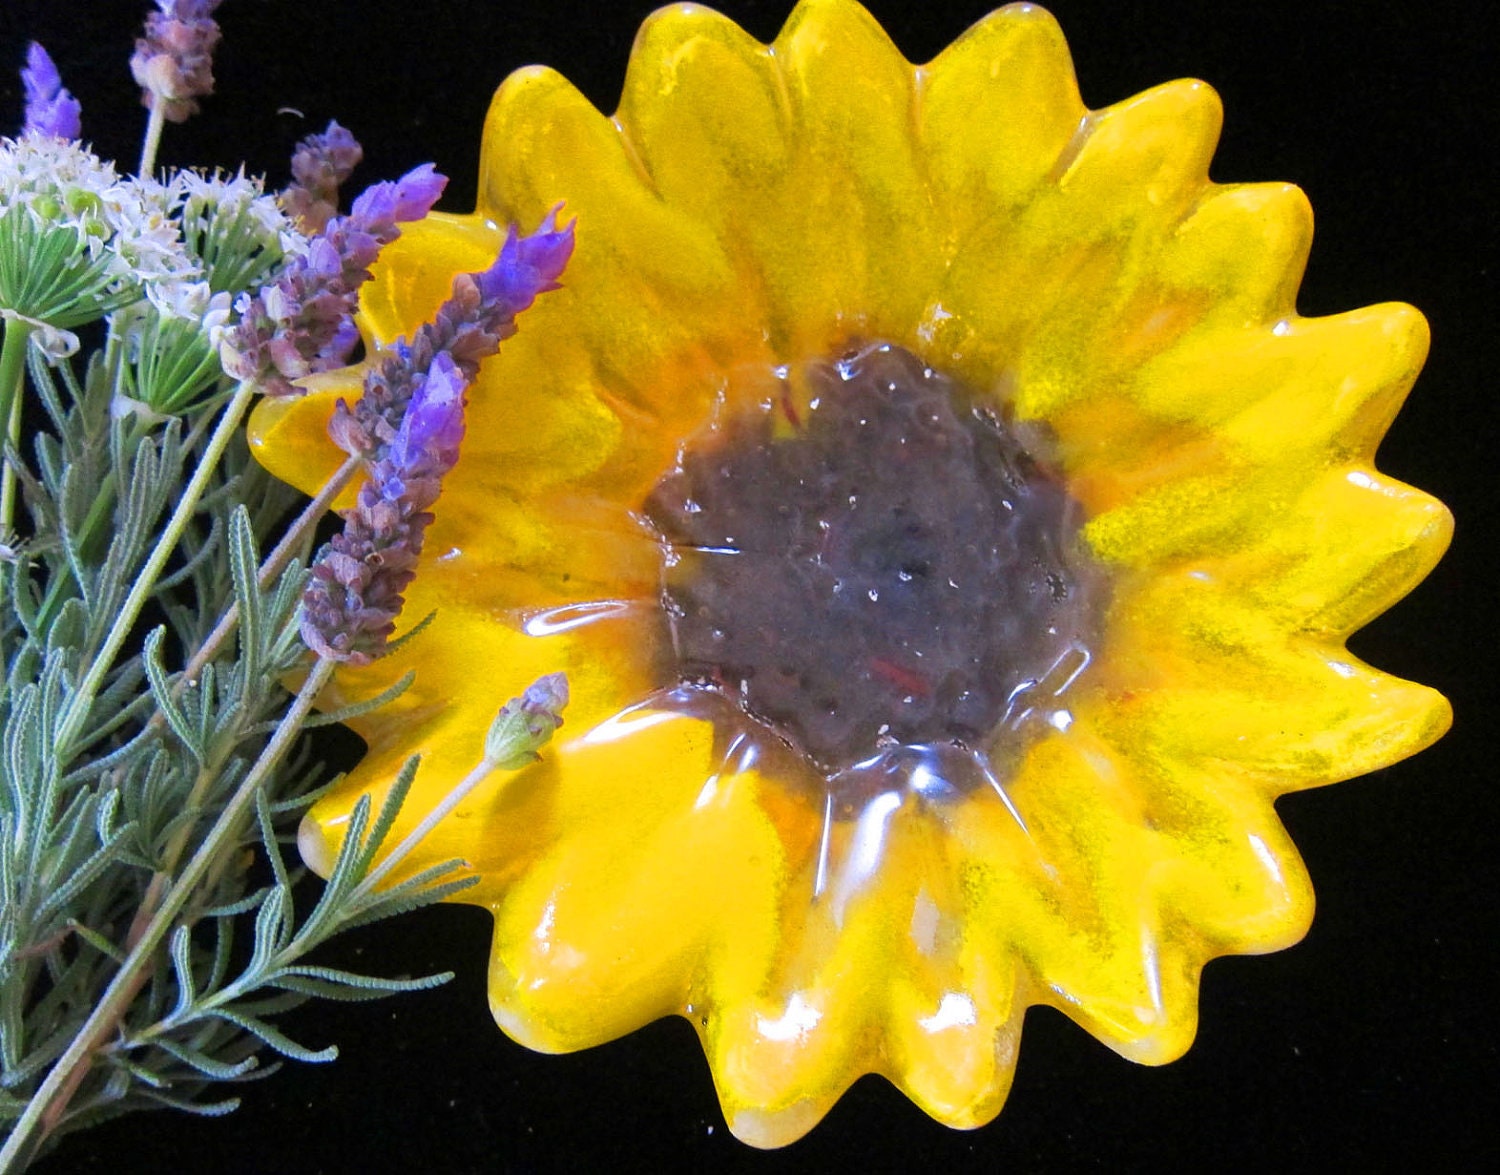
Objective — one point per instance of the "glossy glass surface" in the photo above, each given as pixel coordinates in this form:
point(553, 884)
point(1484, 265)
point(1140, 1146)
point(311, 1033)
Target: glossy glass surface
point(751, 206)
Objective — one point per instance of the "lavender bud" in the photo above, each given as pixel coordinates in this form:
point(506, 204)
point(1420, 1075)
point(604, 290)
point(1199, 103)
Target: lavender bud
point(433, 426)
point(173, 62)
point(50, 109)
point(526, 723)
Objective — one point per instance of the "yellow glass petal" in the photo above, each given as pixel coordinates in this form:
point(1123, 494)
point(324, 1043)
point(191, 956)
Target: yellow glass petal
point(1321, 385)
point(656, 282)
point(1090, 935)
point(705, 112)
point(289, 435)
point(585, 949)
point(853, 246)
point(467, 663)
point(1208, 680)
point(1350, 547)
point(1137, 169)
point(1240, 254)
point(998, 109)
point(876, 973)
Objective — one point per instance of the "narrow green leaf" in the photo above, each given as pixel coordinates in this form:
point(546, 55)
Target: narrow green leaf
point(400, 900)
point(203, 1109)
point(161, 690)
point(389, 810)
point(97, 941)
point(142, 1074)
point(243, 562)
point(203, 1063)
point(223, 944)
point(182, 967)
point(241, 906)
point(410, 635)
point(82, 876)
point(272, 930)
point(269, 841)
point(195, 562)
point(355, 709)
point(342, 978)
point(363, 992)
point(277, 1040)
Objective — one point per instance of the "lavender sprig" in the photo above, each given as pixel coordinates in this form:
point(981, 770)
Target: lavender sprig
point(50, 109)
point(173, 61)
point(320, 164)
point(302, 323)
point(408, 427)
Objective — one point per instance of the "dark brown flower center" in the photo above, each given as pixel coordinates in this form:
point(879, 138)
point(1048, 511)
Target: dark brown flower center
point(872, 559)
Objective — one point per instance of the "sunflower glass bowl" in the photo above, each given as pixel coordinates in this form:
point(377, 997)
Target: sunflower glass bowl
point(950, 531)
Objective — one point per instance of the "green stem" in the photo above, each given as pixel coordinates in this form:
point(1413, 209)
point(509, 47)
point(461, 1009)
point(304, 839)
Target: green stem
point(371, 880)
point(46, 1108)
point(152, 140)
point(145, 583)
point(12, 373)
point(271, 567)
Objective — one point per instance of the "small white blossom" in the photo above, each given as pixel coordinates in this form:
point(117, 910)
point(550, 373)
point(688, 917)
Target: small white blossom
point(54, 343)
point(170, 340)
point(148, 238)
point(193, 301)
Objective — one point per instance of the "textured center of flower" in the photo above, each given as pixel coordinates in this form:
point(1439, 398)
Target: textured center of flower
point(869, 558)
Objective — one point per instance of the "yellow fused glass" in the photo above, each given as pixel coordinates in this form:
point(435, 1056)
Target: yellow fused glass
point(752, 217)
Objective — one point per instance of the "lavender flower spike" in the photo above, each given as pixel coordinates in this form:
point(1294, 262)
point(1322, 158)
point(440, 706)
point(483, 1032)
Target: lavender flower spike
point(408, 426)
point(320, 165)
point(50, 109)
point(173, 62)
point(525, 723)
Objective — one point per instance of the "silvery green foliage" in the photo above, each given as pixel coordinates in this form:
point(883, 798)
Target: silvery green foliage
point(114, 766)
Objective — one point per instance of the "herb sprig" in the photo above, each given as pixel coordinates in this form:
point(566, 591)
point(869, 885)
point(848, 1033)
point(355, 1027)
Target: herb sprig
point(153, 763)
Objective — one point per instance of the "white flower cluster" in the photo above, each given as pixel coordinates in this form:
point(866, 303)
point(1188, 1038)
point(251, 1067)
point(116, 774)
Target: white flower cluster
point(78, 241)
point(171, 343)
point(125, 223)
point(37, 167)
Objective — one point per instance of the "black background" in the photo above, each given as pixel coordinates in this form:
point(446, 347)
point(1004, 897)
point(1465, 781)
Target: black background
point(1370, 1042)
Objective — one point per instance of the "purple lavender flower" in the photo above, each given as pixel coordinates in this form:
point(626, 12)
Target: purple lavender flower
point(433, 426)
point(408, 426)
point(409, 198)
point(302, 324)
point(173, 62)
point(528, 266)
point(50, 109)
point(320, 164)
